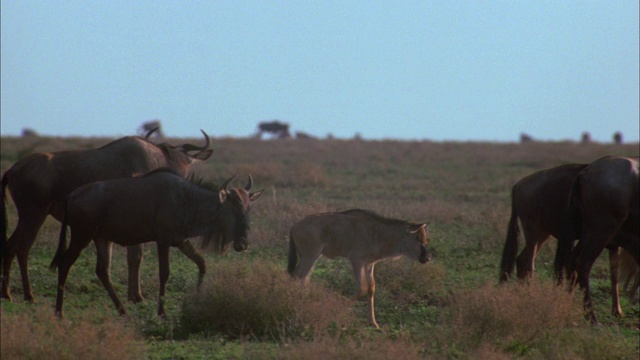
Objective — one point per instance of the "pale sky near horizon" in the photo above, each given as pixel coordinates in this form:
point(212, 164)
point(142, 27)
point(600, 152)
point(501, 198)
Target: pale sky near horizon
point(438, 70)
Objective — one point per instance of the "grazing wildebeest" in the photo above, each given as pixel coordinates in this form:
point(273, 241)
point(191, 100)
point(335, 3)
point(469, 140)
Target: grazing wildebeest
point(605, 194)
point(539, 200)
point(40, 182)
point(275, 127)
point(361, 236)
point(159, 207)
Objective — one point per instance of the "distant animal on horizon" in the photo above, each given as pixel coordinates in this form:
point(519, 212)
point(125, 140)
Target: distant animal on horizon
point(278, 129)
point(160, 207)
point(27, 132)
point(361, 236)
point(540, 201)
point(525, 138)
point(304, 136)
point(605, 199)
point(617, 138)
point(152, 128)
point(40, 182)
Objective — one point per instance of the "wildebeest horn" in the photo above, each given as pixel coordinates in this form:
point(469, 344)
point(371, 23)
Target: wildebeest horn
point(191, 147)
point(250, 184)
point(146, 137)
point(226, 183)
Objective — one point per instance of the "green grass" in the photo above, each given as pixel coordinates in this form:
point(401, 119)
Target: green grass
point(432, 310)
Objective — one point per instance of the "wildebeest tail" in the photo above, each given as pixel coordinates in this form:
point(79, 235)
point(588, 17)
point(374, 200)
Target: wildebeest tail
point(62, 241)
point(293, 255)
point(570, 228)
point(3, 220)
point(510, 250)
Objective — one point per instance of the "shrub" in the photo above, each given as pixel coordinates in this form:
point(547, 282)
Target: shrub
point(42, 336)
point(409, 281)
point(512, 313)
point(259, 299)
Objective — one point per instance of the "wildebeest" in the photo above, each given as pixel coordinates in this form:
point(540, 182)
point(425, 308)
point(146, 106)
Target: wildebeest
point(39, 183)
point(159, 207)
point(361, 236)
point(539, 200)
point(605, 194)
point(275, 127)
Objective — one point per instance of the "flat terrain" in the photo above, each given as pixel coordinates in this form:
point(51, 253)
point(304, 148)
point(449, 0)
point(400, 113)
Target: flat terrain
point(448, 308)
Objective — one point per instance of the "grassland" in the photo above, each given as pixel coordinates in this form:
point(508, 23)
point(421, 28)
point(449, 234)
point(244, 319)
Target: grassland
point(248, 308)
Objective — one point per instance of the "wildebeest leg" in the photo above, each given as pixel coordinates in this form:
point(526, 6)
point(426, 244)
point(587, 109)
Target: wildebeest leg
point(589, 248)
point(187, 248)
point(20, 243)
point(371, 290)
point(359, 274)
point(103, 267)
point(163, 264)
point(534, 239)
point(307, 263)
point(614, 265)
point(134, 259)
point(77, 244)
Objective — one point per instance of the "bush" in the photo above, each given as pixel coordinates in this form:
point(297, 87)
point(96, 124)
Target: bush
point(513, 313)
point(259, 299)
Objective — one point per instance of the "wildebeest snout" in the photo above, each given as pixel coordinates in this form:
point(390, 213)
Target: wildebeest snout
point(425, 255)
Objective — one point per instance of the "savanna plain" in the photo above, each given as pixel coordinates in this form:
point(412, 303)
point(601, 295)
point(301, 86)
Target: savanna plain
point(249, 308)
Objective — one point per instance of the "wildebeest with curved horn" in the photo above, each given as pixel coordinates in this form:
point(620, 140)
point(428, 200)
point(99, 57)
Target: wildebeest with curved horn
point(159, 207)
point(606, 196)
point(40, 182)
point(361, 236)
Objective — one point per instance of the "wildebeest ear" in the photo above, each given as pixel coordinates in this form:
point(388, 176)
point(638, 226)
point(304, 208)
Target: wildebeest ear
point(202, 155)
point(254, 196)
point(223, 194)
point(412, 229)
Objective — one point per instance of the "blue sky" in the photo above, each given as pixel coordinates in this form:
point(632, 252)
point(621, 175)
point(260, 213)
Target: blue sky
point(438, 70)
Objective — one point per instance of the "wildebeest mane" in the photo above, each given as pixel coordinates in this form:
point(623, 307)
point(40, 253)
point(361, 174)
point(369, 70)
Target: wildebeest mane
point(202, 183)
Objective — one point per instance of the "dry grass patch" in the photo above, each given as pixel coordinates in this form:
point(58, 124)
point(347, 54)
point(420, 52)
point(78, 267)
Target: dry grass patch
point(409, 282)
point(258, 299)
point(42, 336)
point(381, 348)
point(512, 313)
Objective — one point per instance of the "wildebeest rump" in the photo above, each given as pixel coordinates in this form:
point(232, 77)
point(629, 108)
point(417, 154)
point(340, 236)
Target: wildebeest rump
point(605, 195)
point(361, 236)
point(539, 200)
point(160, 207)
point(40, 182)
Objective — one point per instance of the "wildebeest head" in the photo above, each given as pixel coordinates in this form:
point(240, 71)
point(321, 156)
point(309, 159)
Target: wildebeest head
point(179, 157)
point(418, 240)
point(233, 217)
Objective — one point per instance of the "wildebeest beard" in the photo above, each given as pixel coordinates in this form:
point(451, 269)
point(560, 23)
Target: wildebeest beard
point(217, 242)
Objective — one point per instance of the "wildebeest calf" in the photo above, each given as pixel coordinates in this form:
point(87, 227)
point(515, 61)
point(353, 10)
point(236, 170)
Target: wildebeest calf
point(361, 236)
point(161, 207)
